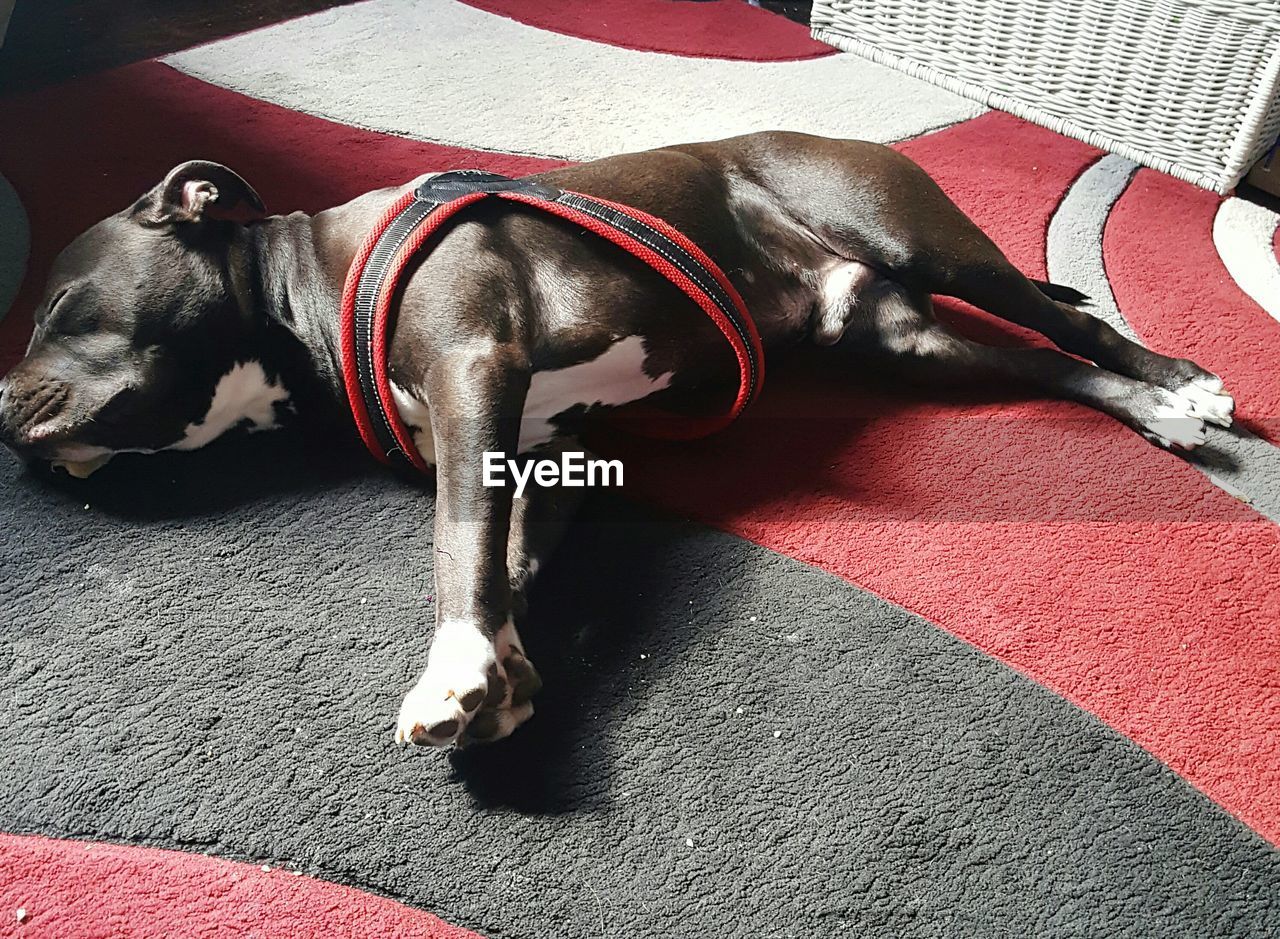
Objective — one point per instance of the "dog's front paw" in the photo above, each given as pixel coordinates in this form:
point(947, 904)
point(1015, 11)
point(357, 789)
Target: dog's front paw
point(474, 689)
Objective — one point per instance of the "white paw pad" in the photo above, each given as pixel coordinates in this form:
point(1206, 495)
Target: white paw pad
point(1208, 400)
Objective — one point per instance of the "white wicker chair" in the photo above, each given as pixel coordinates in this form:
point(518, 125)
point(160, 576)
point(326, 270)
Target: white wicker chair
point(1189, 87)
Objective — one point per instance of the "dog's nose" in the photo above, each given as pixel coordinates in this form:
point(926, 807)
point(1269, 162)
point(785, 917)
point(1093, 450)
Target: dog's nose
point(28, 413)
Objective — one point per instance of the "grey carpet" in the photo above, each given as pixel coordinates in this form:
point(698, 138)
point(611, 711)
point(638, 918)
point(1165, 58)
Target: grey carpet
point(187, 662)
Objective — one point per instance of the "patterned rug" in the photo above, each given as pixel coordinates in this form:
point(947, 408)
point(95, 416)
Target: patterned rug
point(913, 664)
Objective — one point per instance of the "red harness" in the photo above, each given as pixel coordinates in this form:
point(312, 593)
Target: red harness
point(406, 226)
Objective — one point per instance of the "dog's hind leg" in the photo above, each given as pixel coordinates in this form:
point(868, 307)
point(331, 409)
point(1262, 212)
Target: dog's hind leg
point(905, 328)
point(954, 257)
point(995, 285)
point(1003, 290)
point(876, 207)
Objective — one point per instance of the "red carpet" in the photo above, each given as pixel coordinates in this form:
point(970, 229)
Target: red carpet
point(1045, 534)
point(1205, 311)
point(1051, 539)
point(69, 888)
point(719, 29)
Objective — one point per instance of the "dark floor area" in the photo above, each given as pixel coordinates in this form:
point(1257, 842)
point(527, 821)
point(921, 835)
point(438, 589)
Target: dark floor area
point(52, 40)
point(797, 10)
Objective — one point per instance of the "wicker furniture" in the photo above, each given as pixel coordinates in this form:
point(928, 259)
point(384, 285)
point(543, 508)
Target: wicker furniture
point(1189, 87)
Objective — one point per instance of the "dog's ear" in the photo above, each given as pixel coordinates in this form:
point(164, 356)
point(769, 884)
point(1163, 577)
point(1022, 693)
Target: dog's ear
point(196, 190)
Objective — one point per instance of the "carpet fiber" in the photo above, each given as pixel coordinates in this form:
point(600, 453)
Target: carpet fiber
point(923, 665)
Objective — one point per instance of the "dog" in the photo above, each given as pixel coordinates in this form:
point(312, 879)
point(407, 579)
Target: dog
point(192, 312)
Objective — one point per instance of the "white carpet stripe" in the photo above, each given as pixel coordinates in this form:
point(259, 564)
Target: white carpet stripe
point(1243, 233)
point(516, 89)
point(1242, 465)
point(1074, 249)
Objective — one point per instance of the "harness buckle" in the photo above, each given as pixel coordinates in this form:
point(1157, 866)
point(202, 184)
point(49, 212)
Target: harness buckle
point(445, 187)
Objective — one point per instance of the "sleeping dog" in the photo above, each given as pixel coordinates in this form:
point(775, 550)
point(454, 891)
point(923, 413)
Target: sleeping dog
point(191, 313)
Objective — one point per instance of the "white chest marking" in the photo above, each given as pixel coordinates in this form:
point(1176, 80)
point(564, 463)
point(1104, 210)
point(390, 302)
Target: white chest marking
point(615, 377)
point(243, 394)
point(415, 413)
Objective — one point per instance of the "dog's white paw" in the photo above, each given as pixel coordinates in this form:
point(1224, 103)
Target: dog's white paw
point(473, 690)
point(1173, 423)
point(454, 685)
point(1209, 400)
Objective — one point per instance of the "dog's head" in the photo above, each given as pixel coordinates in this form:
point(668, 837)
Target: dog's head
point(146, 338)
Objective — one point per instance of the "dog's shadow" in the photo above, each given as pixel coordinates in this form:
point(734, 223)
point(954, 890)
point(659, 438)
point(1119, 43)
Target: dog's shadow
point(607, 598)
point(238, 470)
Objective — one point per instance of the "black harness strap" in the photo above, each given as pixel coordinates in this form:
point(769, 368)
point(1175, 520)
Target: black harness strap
point(406, 227)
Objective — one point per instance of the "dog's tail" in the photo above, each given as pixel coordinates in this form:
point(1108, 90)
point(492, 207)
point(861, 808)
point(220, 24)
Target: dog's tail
point(1061, 293)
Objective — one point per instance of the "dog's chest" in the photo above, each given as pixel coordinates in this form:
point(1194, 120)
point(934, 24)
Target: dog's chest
point(615, 377)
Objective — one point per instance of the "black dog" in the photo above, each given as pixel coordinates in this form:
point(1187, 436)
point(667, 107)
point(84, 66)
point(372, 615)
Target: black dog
point(168, 324)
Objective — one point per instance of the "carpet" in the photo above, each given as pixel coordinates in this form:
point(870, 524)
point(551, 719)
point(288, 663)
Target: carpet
point(924, 664)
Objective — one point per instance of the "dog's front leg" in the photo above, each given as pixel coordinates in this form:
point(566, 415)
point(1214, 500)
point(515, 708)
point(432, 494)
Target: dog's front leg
point(476, 397)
